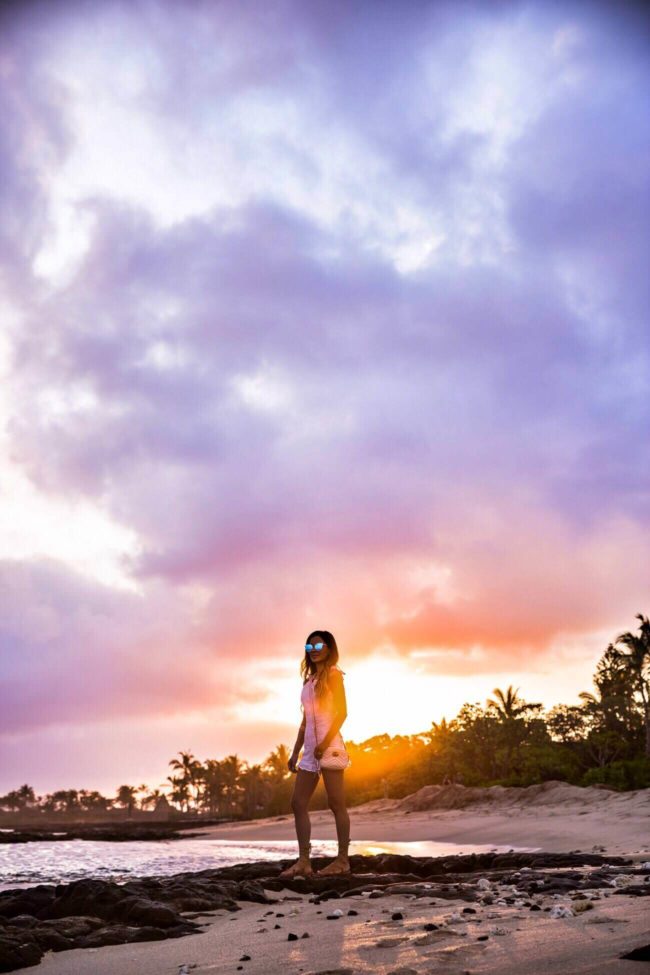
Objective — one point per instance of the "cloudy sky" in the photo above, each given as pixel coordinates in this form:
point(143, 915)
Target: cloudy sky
point(313, 314)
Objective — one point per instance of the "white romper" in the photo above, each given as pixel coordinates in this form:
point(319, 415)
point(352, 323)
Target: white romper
point(320, 711)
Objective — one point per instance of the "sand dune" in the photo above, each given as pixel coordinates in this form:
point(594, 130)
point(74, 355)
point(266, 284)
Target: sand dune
point(553, 816)
point(499, 797)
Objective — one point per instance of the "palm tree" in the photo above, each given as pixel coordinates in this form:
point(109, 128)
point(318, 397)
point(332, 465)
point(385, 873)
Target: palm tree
point(440, 741)
point(232, 769)
point(212, 780)
point(179, 791)
point(510, 710)
point(509, 705)
point(151, 798)
point(637, 662)
point(190, 769)
point(278, 775)
point(126, 797)
point(252, 780)
point(277, 764)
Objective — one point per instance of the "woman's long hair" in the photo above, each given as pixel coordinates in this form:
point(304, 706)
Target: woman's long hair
point(308, 666)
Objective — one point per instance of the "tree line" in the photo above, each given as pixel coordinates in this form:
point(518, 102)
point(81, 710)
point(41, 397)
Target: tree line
point(605, 739)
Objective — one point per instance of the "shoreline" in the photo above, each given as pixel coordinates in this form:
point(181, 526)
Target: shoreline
point(548, 913)
point(542, 913)
point(553, 817)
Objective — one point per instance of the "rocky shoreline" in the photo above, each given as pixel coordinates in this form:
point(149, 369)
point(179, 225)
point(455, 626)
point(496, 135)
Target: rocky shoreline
point(90, 913)
point(112, 832)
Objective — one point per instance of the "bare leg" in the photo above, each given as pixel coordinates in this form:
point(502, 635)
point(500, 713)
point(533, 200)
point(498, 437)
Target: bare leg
point(303, 790)
point(334, 784)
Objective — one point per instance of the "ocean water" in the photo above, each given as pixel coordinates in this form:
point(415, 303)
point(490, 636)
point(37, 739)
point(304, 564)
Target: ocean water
point(55, 862)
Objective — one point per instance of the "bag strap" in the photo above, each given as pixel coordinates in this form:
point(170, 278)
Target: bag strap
point(313, 718)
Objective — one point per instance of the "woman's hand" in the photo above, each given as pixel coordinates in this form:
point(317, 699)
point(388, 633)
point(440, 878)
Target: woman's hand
point(318, 751)
point(292, 762)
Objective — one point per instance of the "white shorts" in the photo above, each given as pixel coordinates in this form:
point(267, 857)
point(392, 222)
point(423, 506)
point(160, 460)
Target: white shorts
point(309, 762)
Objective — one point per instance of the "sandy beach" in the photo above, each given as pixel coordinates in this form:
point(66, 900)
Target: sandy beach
point(433, 934)
point(371, 942)
point(555, 817)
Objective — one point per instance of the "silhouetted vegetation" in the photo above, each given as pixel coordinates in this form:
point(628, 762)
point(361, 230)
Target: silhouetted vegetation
point(508, 741)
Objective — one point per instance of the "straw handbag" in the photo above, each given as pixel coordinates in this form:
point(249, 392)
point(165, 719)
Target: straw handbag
point(334, 756)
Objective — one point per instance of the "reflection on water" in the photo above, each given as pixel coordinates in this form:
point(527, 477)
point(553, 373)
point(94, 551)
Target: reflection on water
point(61, 861)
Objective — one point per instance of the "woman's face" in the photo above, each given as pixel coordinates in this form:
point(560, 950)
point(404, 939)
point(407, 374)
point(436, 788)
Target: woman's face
point(318, 655)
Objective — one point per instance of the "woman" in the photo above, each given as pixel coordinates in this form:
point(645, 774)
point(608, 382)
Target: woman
point(325, 710)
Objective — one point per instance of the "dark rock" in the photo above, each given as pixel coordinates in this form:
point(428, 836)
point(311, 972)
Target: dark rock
point(638, 954)
point(113, 832)
point(18, 950)
point(32, 900)
point(292, 937)
point(397, 916)
point(52, 940)
point(634, 890)
point(23, 921)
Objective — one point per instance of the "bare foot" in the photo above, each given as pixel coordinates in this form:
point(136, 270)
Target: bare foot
point(336, 866)
point(301, 868)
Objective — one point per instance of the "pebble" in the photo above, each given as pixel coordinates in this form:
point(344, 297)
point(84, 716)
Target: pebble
point(454, 918)
point(397, 916)
point(621, 880)
point(582, 906)
point(561, 910)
